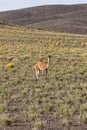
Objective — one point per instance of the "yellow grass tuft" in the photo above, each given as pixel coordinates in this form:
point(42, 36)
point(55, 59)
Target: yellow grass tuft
point(9, 65)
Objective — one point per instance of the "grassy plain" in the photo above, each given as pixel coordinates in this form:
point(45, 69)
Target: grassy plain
point(55, 101)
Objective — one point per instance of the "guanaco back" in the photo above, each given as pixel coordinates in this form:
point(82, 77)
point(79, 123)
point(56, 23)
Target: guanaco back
point(41, 66)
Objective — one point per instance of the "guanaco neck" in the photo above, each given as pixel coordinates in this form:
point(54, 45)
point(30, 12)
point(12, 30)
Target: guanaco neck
point(48, 60)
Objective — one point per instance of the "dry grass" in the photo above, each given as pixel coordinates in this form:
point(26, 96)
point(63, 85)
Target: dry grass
point(55, 101)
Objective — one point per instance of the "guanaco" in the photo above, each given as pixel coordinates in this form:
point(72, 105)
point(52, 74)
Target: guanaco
point(41, 66)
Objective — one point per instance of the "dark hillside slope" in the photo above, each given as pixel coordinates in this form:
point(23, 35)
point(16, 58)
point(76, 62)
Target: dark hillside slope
point(61, 18)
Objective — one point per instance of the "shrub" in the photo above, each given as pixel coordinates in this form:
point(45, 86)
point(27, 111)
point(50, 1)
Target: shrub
point(9, 65)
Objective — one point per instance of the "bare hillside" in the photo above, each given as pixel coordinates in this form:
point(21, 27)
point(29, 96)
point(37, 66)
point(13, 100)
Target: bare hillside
point(61, 18)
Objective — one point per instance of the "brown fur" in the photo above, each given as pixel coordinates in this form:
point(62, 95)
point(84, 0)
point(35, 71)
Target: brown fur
point(41, 66)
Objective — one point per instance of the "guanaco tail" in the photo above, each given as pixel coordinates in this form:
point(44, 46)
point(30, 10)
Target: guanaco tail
point(41, 66)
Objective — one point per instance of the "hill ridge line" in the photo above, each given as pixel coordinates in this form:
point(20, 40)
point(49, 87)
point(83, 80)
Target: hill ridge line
point(57, 17)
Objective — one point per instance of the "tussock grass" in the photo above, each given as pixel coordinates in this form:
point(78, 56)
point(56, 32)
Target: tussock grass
point(61, 94)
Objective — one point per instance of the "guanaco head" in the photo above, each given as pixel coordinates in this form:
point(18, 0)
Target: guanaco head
point(49, 56)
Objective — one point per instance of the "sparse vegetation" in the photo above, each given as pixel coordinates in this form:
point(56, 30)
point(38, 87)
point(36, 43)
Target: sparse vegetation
point(58, 100)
